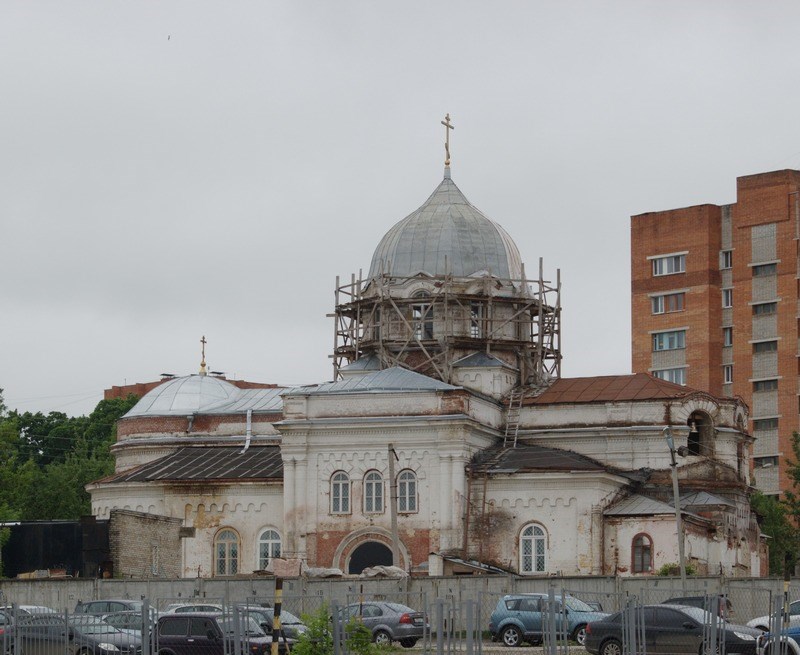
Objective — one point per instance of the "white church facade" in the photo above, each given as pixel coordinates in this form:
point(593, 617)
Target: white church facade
point(447, 438)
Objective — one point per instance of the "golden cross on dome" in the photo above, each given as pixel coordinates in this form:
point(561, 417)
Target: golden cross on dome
point(203, 358)
point(448, 126)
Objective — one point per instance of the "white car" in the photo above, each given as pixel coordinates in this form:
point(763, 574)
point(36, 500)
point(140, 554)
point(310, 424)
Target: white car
point(762, 622)
point(180, 608)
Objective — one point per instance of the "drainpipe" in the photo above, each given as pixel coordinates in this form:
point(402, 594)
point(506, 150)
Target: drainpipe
point(249, 432)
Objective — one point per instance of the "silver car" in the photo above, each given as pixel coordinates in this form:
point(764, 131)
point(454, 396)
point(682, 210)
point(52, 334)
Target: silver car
point(388, 622)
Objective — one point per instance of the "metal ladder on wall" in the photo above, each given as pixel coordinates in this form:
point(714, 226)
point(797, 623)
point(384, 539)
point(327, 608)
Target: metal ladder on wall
point(512, 418)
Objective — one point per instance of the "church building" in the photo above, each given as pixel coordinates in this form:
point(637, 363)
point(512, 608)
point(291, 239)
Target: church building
point(447, 440)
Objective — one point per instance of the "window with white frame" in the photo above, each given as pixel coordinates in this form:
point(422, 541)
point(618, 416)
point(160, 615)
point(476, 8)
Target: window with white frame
point(269, 547)
point(669, 264)
point(676, 375)
point(476, 319)
point(725, 259)
point(407, 492)
point(226, 552)
point(373, 493)
point(533, 549)
point(727, 336)
point(667, 303)
point(727, 374)
point(727, 298)
point(340, 493)
point(422, 316)
point(672, 340)
point(642, 551)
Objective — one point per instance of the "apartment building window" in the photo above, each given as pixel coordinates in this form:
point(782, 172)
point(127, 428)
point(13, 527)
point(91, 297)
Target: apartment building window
point(761, 270)
point(669, 264)
point(727, 298)
point(726, 259)
point(765, 424)
point(765, 462)
point(727, 374)
point(669, 302)
point(765, 385)
point(676, 375)
point(765, 347)
point(764, 308)
point(672, 340)
point(727, 336)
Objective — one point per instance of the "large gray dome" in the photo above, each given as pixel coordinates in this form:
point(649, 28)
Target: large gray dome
point(446, 235)
point(184, 395)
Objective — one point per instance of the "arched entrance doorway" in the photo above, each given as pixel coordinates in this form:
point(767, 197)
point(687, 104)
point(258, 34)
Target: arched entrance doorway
point(370, 553)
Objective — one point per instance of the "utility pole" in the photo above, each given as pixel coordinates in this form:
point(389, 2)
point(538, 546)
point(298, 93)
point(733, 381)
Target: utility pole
point(393, 506)
point(667, 431)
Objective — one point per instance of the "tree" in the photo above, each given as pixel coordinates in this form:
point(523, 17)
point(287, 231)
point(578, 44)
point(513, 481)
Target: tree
point(775, 522)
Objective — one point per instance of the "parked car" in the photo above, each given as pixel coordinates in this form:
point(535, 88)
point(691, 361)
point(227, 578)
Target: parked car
point(109, 606)
point(291, 626)
point(387, 621)
point(128, 621)
point(767, 643)
point(669, 629)
point(9, 614)
point(522, 617)
point(191, 633)
point(52, 634)
point(762, 622)
point(704, 603)
point(180, 608)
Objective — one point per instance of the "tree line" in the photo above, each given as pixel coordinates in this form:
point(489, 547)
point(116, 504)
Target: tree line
point(46, 460)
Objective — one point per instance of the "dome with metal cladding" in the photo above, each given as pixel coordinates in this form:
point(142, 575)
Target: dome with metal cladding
point(447, 235)
point(183, 396)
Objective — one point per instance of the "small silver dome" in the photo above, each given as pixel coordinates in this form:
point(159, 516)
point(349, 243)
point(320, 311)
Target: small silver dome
point(447, 235)
point(185, 395)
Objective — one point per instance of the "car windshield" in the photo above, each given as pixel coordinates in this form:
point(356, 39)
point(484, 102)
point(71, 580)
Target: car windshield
point(577, 605)
point(287, 618)
point(248, 625)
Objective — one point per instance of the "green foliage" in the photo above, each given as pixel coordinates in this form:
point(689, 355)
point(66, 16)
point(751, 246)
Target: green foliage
point(674, 568)
point(318, 640)
point(46, 460)
point(775, 523)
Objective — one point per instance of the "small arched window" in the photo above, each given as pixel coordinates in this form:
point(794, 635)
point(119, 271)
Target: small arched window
point(373, 493)
point(642, 553)
point(533, 549)
point(340, 493)
point(407, 492)
point(422, 315)
point(226, 552)
point(269, 546)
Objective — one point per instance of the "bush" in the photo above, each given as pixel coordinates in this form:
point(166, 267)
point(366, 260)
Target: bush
point(673, 568)
point(319, 638)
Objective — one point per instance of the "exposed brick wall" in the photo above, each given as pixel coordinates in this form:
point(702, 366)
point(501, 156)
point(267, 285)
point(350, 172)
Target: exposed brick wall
point(134, 557)
point(202, 423)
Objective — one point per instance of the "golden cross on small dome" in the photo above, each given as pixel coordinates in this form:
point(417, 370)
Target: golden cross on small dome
point(448, 126)
point(203, 343)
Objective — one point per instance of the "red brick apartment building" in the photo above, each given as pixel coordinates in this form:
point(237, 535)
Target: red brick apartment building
point(715, 294)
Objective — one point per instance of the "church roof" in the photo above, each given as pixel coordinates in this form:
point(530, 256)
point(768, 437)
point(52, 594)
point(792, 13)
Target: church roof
point(204, 394)
point(637, 505)
point(447, 235)
point(209, 463)
point(609, 388)
point(389, 379)
point(529, 457)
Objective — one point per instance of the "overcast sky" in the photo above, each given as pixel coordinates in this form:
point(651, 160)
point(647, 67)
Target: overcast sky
point(176, 169)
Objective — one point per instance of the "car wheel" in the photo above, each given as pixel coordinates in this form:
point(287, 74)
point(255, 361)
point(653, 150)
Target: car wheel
point(702, 650)
point(511, 636)
point(382, 638)
point(579, 635)
point(611, 647)
point(409, 642)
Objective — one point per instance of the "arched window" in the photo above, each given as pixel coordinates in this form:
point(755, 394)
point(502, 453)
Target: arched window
point(373, 493)
point(422, 316)
point(533, 549)
point(407, 492)
point(269, 546)
point(340, 493)
point(642, 552)
point(226, 552)
point(476, 320)
point(701, 435)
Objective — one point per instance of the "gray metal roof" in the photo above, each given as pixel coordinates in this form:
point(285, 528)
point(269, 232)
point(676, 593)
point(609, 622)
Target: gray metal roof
point(366, 363)
point(527, 458)
point(447, 235)
point(701, 499)
point(211, 463)
point(203, 394)
point(637, 505)
point(389, 379)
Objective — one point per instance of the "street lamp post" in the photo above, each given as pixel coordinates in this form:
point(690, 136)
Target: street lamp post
point(681, 559)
